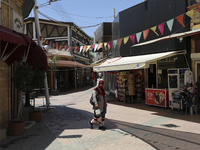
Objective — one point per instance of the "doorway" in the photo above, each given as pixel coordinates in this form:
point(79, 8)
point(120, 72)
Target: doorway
point(152, 75)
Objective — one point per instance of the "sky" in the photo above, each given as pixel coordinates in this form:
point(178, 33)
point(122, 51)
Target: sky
point(84, 13)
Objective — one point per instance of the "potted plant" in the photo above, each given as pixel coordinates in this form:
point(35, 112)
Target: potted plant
point(25, 79)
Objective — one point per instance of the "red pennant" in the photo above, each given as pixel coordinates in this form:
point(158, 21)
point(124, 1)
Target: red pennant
point(161, 27)
point(62, 47)
point(120, 42)
point(85, 47)
point(78, 48)
point(58, 47)
point(145, 33)
point(54, 46)
point(109, 45)
point(71, 48)
point(132, 37)
point(66, 48)
point(180, 20)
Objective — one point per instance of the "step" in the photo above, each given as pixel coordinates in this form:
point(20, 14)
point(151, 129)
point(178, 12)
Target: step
point(2, 134)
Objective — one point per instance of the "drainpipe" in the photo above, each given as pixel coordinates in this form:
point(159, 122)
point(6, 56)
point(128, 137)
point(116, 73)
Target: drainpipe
point(40, 44)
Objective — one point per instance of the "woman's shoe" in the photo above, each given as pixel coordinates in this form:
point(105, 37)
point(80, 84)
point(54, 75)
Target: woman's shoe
point(102, 128)
point(91, 125)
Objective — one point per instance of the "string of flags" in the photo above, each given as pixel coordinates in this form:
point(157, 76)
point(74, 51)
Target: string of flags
point(134, 37)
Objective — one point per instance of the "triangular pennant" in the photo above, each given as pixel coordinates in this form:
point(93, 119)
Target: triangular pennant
point(120, 42)
point(145, 33)
point(100, 45)
point(66, 48)
point(54, 46)
point(190, 13)
point(59, 47)
point(71, 48)
point(105, 46)
point(88, 47)
point(95, 48)
point(109, 44)
point(114, 43)
point(75, 48)
point(180, 20)
point(198, 9)
point(78, 48)
point(41, 38)
point(170, 24)
point(132, 37)
point(138, 36)
point(92, 46)
point(62, 47)
point(154, 30)
point(85, 47)
point(81, 48)
point(126, 39)
point(161, 27)
point(50, 43)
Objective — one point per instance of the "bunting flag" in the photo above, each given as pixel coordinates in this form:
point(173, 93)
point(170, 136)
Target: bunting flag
point(92, 46)
point(75, 48)
point(88, 47)
point(161, 27)
point(62, 47)
point(58, 47)
point(170, 24)
point(145, 33)
point(46, 41)
point(132, 37)
point(105, 46)
point(190, 13)
point(95, 48)
point(138, 36)
point(54, 46)
point(81, 48)
point(154, 30)
point(85, 47)
point(41, 38)
point(100, 45)
point(109, 44)
point(120, 42)
point(180, 20)
point(50, 43)
point(126, 39)
point(78, 48)
point(71, 48)
point(198, 9)
point(114, 43)
point(66, 48)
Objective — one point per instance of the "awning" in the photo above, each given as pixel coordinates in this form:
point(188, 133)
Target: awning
point(98, 62)
point(135, 62)
point(177, 35)
point(16, 46)
point(65, 63)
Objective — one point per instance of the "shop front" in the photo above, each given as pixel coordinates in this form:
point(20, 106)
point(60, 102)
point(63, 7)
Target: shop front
point(142, 77)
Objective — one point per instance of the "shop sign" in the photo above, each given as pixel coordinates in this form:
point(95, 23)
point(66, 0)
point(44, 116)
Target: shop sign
point(17, 22)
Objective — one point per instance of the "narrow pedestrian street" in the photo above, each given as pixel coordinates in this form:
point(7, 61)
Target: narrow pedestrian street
point(129, 126)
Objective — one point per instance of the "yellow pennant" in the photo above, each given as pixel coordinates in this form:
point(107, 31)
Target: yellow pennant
point(154, 30)
point(88, 47)
point(190, 13)
point(105, 44)
point(126, 39)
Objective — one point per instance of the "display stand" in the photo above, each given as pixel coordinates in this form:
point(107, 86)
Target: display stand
point(175, 82)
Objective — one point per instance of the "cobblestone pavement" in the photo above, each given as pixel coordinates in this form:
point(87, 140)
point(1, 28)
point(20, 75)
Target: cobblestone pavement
point(130, 126)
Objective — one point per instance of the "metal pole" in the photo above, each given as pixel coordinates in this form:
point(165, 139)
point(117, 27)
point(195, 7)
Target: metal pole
point(40, 44)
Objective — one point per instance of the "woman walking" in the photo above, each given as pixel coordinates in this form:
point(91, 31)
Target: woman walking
point(99, 106)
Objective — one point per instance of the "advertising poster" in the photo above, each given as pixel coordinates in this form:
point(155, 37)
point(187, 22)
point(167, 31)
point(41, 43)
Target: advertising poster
point(158, 97)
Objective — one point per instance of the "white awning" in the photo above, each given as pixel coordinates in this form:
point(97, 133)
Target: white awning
point(135, 62)
point(177, 35)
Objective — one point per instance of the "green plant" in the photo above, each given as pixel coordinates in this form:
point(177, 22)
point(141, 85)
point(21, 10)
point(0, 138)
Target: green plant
point(26, 78)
